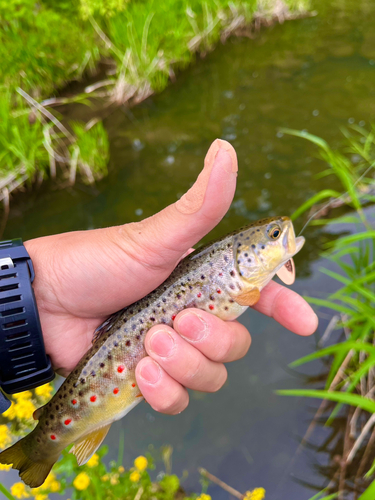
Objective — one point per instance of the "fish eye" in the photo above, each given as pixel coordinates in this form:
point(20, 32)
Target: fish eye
point(274, 232)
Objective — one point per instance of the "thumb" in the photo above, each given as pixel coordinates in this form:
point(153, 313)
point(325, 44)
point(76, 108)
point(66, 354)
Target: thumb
point(166, 236)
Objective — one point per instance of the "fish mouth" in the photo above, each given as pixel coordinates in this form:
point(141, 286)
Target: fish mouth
point(292, 244)
point(300, 241)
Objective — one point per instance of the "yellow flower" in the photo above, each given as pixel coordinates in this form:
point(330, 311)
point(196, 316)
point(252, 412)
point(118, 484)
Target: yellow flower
point(105, 477)
point(257, 494)
point(20, 396)
point(18, 490)
point(41, 496)
point(203, 496)
point(44, 391)
point(24, 408)
point(121, 469)
point(135, 476)
point(54, 487)
point(5, 437)
point(5, 467)
point(94, 460)
point(82, 481)
point(11, 412)
point(140, 463)
point(114, 479)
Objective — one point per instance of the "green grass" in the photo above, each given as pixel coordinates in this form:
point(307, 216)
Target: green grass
point(350, 379)
point(45, 44)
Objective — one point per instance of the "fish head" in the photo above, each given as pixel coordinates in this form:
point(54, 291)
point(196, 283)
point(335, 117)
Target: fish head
point(262, 248)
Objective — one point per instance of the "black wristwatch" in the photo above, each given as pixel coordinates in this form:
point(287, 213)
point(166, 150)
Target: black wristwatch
point(24, 363)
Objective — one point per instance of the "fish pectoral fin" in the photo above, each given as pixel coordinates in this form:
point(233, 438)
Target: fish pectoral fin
point(247, 297)
point(38, 412)
point(287, 273)
point(87, 446)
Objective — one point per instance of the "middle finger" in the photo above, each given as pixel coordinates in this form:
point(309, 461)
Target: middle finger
point(183, 362)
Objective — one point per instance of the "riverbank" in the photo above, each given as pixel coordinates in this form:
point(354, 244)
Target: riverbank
point(44, 46)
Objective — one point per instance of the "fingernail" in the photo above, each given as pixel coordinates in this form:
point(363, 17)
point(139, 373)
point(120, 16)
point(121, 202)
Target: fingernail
point(192, 201)
point(162, 343)
point(192, 327)
point(150, 372)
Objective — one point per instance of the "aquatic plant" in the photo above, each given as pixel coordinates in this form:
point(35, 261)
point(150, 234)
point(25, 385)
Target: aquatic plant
point(351, 378)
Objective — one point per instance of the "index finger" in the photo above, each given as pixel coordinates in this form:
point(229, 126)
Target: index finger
point(287, 308)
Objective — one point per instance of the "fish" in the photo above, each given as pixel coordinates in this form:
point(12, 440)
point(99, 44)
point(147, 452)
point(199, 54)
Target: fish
point(224, 278)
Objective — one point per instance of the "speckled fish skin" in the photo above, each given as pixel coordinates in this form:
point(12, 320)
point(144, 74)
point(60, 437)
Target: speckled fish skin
point(221, 278)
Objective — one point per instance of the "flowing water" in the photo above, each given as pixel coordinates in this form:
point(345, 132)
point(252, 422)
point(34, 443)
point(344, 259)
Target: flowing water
point(316, 74)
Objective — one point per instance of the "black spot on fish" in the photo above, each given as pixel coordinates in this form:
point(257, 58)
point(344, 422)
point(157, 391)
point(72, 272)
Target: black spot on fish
point(202, 277)
point(212, 297)
point(80, 393)
point(109, 356)
point(138, 337)
point(164, 300)
point(70, 391)
point(246, 254)
point(57, 407)
point(134, 327)
point(82, 380)
point(252, 246)
point(152, 319)
point(127, 343)
point(231, 287)
point(232, 273)
point(262, 247)
point(101, 365)
point(115, 344)
point(178, 295)
point(226, 308)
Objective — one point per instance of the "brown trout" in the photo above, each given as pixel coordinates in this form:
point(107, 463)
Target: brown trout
point(223, 277)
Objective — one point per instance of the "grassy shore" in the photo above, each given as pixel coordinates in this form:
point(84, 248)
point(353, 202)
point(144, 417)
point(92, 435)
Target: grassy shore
point(44, 45)
point(351, 377)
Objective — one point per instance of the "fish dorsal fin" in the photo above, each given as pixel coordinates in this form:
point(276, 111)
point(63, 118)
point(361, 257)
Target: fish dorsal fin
point(287, 273)
point(87, 446)
point(248, 297)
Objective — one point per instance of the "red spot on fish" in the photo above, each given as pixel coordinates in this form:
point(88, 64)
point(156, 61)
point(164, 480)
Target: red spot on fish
point(74, 401)
point(199, 295)
point(120, 368)
point(67, 421)
point(220, 274)
point(218, 291)
point(116, 390)
point(133, 385)
point(93, 399)
point(211, 307)
point(173, 317)
point(53, 437)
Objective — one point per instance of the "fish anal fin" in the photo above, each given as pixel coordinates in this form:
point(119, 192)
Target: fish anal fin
point(87, 446)
point(247, 297)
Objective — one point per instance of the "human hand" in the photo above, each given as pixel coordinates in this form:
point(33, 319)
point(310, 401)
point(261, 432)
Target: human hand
point(82, 277)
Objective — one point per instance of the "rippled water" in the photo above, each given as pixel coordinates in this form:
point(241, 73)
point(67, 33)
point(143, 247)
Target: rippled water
point(316, 74)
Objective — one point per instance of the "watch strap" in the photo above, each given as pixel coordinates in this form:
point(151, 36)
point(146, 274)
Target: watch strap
point(23, 360)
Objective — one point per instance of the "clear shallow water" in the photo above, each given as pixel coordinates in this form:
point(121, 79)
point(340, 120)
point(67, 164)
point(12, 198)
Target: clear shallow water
point(316, 74)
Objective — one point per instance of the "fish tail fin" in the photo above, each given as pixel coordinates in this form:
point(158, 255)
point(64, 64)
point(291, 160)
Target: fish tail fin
point(31, 472)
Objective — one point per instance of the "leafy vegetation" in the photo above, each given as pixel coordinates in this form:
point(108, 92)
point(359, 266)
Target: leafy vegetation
point(45, 44)
point(95, 479)
point(351, 377)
